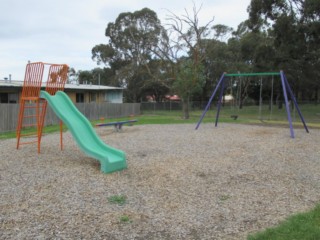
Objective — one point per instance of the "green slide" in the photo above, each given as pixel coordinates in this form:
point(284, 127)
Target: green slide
point(111, 159)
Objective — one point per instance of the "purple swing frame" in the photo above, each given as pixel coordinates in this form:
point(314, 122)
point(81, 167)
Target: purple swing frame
point(285, 87)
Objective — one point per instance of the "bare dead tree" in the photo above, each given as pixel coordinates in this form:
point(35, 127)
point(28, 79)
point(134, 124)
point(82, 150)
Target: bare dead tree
point(188, 33)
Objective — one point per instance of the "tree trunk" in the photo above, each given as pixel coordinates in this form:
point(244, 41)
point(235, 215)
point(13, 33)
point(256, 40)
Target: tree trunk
point(241, 102)
point(185, 107)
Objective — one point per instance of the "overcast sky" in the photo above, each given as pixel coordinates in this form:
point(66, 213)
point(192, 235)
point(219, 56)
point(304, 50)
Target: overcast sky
point(65, 31)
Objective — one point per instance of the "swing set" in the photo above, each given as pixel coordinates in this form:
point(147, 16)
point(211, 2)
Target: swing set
point(286, 91)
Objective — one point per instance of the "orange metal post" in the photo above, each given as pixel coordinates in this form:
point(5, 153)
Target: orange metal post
point(57, 78)
point(30, 97)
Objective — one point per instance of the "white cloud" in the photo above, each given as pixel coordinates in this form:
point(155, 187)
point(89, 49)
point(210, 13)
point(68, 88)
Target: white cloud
point(59, 31)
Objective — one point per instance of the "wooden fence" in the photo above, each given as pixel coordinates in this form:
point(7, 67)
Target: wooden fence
point(9, 113)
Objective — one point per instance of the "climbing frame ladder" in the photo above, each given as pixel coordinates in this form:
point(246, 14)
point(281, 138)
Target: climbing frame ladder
point(32, 109)
point(57, 78)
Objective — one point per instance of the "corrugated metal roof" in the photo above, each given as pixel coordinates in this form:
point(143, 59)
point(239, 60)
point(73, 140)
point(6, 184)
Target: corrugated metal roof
point(90, 87)
point(13, 83)
point(7, 83)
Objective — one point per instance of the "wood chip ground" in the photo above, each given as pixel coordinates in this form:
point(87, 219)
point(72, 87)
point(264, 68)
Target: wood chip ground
point(181, 183)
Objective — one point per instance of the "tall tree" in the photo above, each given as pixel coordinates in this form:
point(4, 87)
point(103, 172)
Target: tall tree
point(295, 26)
point(190, 80)
point(186, 40)
point(85, 77)
point(72, 76)
point(133, 39)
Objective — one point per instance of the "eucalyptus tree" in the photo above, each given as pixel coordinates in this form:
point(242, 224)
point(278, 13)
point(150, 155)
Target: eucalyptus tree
point(189, 81)
point(85, 77)
point(72, 76)
point(132, 41)
point(295, 26)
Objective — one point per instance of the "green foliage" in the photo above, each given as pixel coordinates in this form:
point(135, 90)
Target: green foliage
point(102, 53)
point(133, 40)
point(144, 58)
point(190, 79)
point(117, 199)
point(300, 226)
point(294, 27)
point(125, 219)
point(221, 31)
point(98, 76)
point(85, 77)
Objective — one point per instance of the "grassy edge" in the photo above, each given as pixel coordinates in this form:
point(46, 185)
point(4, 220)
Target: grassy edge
point(298, 226)
point(174, 119)
point(46, 130)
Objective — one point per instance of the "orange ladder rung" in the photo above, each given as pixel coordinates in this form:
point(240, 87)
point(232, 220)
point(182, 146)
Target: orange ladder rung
point(24, 143)
point(33, 107)
point(30, 116)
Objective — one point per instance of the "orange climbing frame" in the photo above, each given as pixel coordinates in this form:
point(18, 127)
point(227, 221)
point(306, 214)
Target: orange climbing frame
point(57, 78)
point(33, 109)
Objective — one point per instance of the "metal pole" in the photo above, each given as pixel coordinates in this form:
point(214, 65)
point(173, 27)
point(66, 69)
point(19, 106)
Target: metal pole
point(271, 99)
point(260, 100)
point(240, 92)
point(210, 100)
point(295, 103)
point(284, 88)
point(219, 103)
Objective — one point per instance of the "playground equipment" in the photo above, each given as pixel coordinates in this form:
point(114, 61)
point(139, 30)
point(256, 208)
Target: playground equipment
point(117, 125)
point(285, 87)
point(238, 93)
point(32, 113)
point(32, 108)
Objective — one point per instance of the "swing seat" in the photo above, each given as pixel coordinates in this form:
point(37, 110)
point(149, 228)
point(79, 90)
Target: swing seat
point(234, 117)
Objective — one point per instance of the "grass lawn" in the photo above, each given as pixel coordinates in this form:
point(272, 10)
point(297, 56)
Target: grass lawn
point(46, 130)
point(297, 227)
point(247, 115)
